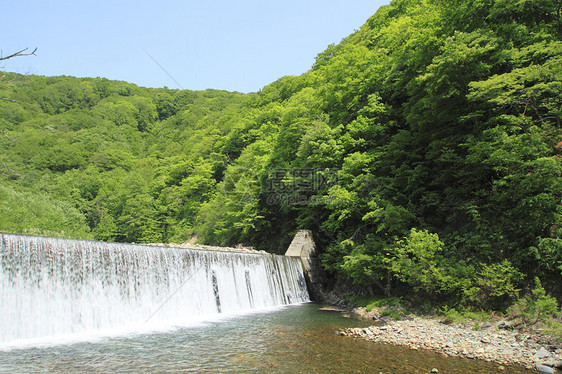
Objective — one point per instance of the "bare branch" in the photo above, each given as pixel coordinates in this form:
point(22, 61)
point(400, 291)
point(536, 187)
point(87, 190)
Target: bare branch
point(6, 135)
point(13, 172)
point(3, 81)
point(19, 54)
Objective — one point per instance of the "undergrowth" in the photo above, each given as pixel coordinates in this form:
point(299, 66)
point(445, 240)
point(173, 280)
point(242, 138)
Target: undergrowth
point(534, 311)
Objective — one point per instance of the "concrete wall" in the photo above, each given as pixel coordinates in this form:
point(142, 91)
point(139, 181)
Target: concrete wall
point(303, 246)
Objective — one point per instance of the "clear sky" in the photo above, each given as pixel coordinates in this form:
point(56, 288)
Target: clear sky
point(232, 45)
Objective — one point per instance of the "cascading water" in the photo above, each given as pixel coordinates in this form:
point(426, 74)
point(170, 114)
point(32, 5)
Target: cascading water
point(52, 286)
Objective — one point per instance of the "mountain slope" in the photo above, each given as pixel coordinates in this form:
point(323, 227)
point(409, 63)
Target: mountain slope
point(424, 150)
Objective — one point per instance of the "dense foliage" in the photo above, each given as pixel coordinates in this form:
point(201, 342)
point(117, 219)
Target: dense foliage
point(424, 150)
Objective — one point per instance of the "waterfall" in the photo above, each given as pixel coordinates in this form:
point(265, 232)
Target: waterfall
point(53, 286)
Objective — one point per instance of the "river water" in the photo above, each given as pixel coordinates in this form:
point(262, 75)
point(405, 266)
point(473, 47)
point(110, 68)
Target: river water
point(291, 339)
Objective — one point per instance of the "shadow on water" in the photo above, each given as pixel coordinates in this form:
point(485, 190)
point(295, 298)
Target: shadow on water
point(295, 339)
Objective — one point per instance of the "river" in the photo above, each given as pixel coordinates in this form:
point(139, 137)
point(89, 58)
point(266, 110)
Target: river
point(291, 339)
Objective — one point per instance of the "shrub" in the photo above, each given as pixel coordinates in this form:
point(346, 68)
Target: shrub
point(417, 261)
point(494, 286)
point(451, 315)
point(535, 307)
point(548, 254)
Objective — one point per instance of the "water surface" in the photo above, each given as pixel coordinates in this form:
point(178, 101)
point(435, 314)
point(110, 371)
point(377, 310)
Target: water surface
point(293, 339)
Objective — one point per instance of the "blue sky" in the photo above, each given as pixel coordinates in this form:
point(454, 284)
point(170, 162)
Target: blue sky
point(232, 45)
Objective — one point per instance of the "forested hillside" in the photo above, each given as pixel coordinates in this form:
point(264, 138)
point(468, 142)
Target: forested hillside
point(137, 163)
point(424, 150)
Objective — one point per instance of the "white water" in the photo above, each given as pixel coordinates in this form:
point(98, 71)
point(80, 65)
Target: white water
point(52, 287)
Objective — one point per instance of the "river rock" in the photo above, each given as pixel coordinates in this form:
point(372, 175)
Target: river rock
point(542, 353)
point(506, 347)
point(553, 364)
point(508, 352)
point(557, 364)
point(544, 369)
point(503, 324)
point(486, 325)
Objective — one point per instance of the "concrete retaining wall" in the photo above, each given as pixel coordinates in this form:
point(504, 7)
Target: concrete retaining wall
point(303, 246)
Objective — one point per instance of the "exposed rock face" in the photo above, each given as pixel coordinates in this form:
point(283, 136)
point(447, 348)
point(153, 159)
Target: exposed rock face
point(303, 246)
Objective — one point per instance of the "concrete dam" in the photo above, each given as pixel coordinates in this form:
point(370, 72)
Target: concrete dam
point(52, 287)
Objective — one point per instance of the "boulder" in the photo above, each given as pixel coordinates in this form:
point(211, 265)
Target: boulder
point(553, 364)
point(503, 324)
point(542, 353)
point(544, 369)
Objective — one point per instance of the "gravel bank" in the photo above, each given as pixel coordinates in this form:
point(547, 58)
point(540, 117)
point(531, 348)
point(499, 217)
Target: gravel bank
point(490, 343)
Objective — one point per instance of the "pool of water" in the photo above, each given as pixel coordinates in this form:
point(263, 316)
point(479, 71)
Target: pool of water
point(294, 339)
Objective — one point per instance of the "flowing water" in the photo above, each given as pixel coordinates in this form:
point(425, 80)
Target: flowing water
point(52, 287)
point(76, 306)
point(293, 339)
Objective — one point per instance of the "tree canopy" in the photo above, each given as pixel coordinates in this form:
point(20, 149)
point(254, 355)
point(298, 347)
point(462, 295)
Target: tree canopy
point(424, 150)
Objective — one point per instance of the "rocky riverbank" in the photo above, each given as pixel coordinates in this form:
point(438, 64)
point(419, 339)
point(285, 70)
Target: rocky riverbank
point(490, 342)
